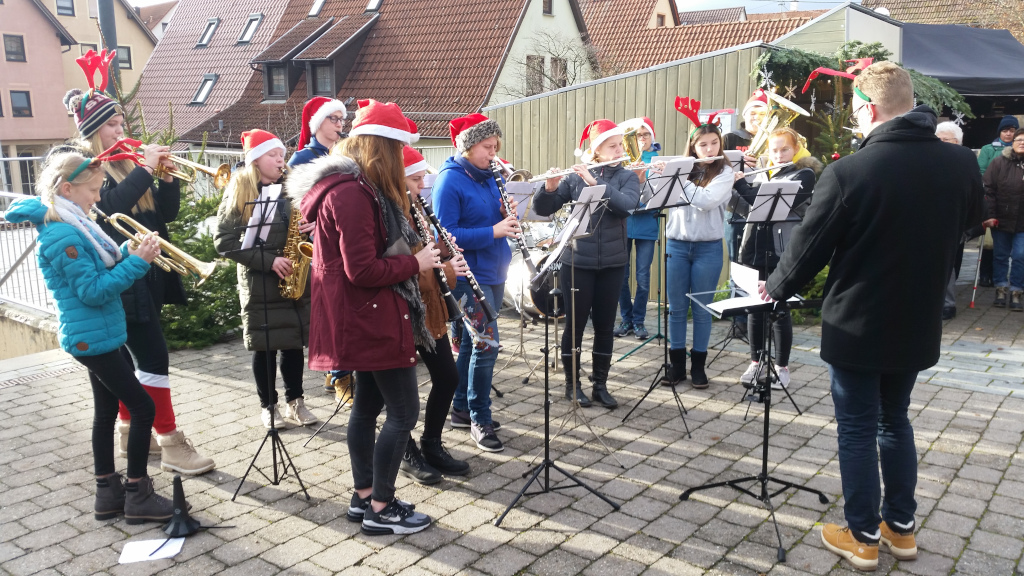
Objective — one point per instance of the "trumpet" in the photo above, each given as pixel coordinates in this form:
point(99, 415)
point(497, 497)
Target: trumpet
point(187, 170)
point(176, 261)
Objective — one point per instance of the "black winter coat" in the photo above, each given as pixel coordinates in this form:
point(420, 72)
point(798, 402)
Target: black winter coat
point(1004, 191)
point(606, 247)
point(888, 220)
point(158, 286)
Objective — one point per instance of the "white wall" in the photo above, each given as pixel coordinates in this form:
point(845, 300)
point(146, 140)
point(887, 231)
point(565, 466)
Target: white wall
point(559, 23)
point(868, 29)
point(159, 30)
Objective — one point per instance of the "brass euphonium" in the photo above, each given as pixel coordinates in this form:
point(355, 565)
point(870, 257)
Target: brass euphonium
point(300, 252)
point(176, 260)
point(781, 113)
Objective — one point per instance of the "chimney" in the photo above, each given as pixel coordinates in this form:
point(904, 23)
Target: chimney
point(794, 5)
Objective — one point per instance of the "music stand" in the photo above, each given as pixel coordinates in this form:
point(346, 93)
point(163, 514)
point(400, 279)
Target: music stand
point(668, 191)
point(550, 271)
point(259, 232)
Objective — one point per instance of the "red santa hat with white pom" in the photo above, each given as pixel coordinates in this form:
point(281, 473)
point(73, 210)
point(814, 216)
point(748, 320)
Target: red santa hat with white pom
point(638, 123)
point(257, 142)
point(313, 115)
point(414, 161)
point(598, 131)
point(383, 119)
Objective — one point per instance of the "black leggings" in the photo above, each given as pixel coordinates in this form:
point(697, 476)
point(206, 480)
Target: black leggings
point(783, 328)
point(444, 378)
point(597, 297)
point(112, 379)
point(146, 344)
point(375, 464)
point(292, 362)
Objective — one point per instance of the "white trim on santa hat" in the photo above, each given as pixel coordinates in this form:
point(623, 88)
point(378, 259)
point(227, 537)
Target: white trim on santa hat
point(600, 138)
point(262, 149)
point(417, 167)
point(637, 123)
point(323, 112)
point(385, 131)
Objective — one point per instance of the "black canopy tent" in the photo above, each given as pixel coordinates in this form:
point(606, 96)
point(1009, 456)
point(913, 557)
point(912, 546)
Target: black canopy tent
point(973, 61)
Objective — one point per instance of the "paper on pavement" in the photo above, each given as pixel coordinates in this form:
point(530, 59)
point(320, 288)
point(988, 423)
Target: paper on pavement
point(140, 550)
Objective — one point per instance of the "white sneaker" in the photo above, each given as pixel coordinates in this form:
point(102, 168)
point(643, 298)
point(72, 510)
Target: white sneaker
point(783, 378)
point(747, 379)
point(295, 412)
point(266, 417)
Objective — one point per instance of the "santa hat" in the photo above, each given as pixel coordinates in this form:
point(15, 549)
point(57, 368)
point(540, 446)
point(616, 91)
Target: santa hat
point(597, 131)
point(414, 161)
point(468, 131)
point(757, 100)
point(313, 115)
point(383, 119)
point(256, 143)
point(637, 123)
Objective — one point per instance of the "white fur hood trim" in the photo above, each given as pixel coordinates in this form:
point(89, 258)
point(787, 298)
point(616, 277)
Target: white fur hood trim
point(302, 178)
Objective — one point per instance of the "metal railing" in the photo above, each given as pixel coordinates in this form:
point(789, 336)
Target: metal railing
point(18, 174)
point(21, 281)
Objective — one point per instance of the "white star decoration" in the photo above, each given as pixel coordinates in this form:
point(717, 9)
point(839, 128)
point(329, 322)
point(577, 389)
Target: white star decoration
point(958, 118)
point(829, 108)
point(766, 76)
point(813, 98)
point(790, 90)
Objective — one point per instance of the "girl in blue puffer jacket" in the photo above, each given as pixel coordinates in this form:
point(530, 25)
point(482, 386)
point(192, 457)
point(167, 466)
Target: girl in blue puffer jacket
point(86, 272)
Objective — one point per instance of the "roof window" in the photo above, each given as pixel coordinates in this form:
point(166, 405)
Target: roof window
point(318, 5)
point(249, 30)
point(373, 5)
point(207, 35)
point(205, 87)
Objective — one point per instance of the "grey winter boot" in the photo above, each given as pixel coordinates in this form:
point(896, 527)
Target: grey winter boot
point(109, 497)
point(142, 504)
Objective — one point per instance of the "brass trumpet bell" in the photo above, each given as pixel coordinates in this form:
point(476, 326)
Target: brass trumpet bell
point(187, 171)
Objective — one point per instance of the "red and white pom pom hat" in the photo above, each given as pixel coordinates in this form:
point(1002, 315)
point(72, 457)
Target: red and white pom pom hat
point(468, 131)
point(597, 131)
point(313, 115)
point(757, 100)
point(257, 142)
point(383, 119)
point(637, 123)
point(414, 161)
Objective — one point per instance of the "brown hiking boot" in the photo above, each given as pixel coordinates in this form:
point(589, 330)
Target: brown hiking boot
point(109, 497)
point(179, 455)
point(902, 545)
point(343, 389)
point(1001, 294)
point(1015, 301)
point(840, 540)
point(142, 504)
point(122, 438)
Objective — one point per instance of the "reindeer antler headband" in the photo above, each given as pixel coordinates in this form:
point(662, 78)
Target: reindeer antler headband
point(691, 109)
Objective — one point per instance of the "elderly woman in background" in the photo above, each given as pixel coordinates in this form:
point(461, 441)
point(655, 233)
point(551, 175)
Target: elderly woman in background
point(1004, 193)
point(951, 133)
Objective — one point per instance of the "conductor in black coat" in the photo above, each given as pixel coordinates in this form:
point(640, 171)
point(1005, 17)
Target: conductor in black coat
point(888, 220)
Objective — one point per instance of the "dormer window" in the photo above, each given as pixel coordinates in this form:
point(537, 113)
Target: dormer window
point(322, 80)
point(249, 30)
point(205, 87)
point(207, 35)
point(373, 5)
point(278, 81)
point(661, 21)
point(318, 5)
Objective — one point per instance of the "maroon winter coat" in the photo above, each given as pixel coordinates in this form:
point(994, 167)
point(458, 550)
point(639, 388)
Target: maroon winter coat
point(358, 322)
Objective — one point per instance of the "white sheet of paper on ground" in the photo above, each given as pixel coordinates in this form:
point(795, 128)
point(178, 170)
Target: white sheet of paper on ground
point(140, 550)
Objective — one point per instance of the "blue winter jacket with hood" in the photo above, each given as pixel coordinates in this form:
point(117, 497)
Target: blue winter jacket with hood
point(88, 294)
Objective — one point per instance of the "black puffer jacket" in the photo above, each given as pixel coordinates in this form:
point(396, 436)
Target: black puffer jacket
point(158, 285)
point(606, 247)
point(1004, 191)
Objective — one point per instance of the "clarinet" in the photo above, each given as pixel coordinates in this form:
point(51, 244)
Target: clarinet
point(454, 310)
point(446, 238)
point(496, 171)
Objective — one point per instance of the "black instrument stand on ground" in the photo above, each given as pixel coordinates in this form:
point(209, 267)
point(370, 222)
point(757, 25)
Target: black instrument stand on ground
point(547, 464)
point(279, 454)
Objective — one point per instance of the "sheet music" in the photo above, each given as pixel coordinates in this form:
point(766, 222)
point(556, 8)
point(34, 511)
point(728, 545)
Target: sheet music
point(662, 193)
point(522, 192)
point(735, 159)
point(744, 277)
point(766, 209)
point(588, 199)
point(428, 181)
point(268, 199)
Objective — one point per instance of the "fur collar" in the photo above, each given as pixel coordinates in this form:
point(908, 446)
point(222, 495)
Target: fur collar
point(302, 178)
point(812, 163)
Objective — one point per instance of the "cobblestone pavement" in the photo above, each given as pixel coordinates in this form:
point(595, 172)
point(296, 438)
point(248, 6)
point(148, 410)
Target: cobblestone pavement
point(968, 415)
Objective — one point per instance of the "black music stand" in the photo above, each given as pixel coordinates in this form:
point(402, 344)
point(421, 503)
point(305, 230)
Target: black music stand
point(550, 271)
point(670, 194)
point(276, 444)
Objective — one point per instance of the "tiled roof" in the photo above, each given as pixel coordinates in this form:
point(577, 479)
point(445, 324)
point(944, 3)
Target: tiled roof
point(152, 14)
point(619, 32)
point(934, 11)
point(790, 14)
point(337, 36)
point(293, 39)
point(437, 60)
point(693, 17)
point(176, 66)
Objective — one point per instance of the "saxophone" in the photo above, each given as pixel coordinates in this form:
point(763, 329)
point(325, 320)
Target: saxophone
point(300, 252)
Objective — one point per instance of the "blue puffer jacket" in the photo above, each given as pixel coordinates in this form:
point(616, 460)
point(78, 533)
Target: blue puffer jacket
point(88, 295)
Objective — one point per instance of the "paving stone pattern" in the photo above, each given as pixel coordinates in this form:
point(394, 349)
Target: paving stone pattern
point(967, 411)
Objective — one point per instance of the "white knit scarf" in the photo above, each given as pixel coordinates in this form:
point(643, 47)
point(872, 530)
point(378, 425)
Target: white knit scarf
point(71, 213)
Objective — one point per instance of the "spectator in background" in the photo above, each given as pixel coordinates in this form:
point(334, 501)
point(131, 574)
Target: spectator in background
point(1004, 194)
point(950, 133)
point(1007, 126)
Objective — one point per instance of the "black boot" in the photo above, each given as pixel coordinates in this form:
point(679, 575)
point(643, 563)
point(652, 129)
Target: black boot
point(109, 497)
point(142, 504)
point(985, 276)
point(572, 381)
point(675, 373)
point(437, 456)
point(602, 363)
point(414, 467)
point(697, 359)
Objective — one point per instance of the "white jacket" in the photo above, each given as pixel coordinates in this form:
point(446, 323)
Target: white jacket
point(704, 219)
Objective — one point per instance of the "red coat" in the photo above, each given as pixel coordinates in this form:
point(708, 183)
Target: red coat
point(358, 322)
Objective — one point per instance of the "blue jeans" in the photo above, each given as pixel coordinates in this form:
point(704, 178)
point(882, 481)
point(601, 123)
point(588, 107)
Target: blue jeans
point(634, 309)
point(476, 357)
point(1008, 247)
point(871, 416)
point(692, 267)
